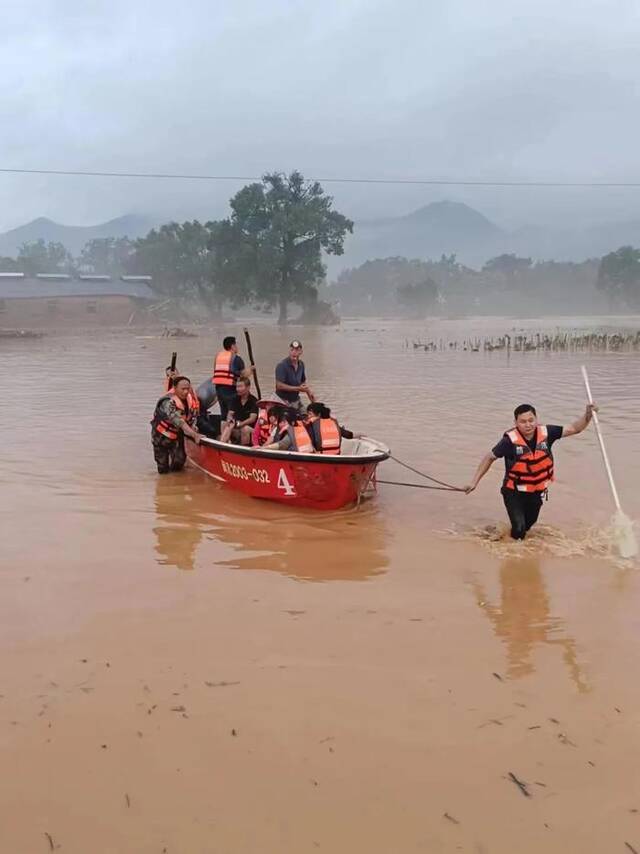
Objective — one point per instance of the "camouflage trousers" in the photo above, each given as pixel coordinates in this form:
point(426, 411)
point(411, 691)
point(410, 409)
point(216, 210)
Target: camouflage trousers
point(169, 454)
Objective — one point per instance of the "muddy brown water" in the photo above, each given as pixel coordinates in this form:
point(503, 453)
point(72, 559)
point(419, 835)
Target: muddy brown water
point(188, 670)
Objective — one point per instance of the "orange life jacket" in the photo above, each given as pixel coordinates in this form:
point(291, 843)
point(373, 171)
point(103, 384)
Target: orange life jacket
point(300, 439)
point(222, 373)
point(329, 436)
point(194, 403)
point(166, 428)
point(532, 470)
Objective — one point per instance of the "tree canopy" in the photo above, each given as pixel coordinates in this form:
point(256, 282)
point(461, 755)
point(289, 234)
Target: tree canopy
point(619, 276)
point(40, 257)
point(178, 258)
point(271, 246)
point(107, 255)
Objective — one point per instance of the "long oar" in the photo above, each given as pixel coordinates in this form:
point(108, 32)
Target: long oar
point(622, 525)
point(255, 373)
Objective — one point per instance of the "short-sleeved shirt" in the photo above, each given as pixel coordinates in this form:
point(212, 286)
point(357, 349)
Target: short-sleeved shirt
point(505, 447)
point(242, 411)
point(236, 367)
point(287, 374)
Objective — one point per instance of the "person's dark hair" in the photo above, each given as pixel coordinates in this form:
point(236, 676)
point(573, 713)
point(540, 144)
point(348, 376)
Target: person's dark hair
point(228, 342)
point(277, 410)
point(245, 380)
point(524, 407)
point(176, 380)
point(319, 409)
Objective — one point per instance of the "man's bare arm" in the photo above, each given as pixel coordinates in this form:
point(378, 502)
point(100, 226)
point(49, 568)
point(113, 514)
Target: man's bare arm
point(485, 464)
point(581, 423)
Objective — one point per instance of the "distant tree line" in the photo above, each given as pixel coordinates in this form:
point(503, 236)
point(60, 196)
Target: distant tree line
point(505, 284)
point(268, 252)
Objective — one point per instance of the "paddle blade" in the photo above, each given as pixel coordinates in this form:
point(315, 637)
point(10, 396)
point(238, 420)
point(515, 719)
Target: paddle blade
point(624, 536)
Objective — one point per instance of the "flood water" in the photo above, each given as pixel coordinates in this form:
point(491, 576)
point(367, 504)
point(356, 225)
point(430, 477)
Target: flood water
point(189, 670)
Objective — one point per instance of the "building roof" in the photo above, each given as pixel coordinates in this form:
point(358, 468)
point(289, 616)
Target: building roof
point(19, 286)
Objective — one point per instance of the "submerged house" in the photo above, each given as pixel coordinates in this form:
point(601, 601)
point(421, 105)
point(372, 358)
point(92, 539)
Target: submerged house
point(58, 299)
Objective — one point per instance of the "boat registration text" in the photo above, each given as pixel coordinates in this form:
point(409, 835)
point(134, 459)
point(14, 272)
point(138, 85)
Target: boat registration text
point(242, 473)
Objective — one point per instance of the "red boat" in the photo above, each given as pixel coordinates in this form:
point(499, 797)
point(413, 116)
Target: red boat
point(319, 481)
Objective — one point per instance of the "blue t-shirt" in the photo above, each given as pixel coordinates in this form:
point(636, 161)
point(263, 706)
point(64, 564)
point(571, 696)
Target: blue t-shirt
point(287, 374)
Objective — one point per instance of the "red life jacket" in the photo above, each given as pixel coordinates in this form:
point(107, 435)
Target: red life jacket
point(328, 435)
point(222, 373)
point(532, 470)
point(300, 439)
point(262, 430)
point(166, 428)
point(193, 402)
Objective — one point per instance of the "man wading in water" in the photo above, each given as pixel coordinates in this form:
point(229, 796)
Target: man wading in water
point(528, 462)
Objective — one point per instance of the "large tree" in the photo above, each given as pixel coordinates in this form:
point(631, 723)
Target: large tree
point(178, 258)
point(619, 276)
point(272, 244)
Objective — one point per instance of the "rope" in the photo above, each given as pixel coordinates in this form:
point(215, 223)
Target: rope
point(443, 484)
point(417, 485)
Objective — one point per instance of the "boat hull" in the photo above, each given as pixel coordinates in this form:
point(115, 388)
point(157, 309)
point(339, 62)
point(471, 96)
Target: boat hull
point(301, 480)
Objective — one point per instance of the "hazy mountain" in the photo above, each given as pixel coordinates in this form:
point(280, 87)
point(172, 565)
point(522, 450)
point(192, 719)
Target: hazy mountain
point(451, 227)
point(441, 227)
point(73, 237)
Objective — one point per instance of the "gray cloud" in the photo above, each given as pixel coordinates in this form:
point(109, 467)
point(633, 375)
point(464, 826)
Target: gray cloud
point(347, 87)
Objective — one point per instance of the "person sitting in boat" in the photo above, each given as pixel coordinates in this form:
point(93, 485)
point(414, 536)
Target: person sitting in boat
point(170, 423)
point(243, 414)
point(263, 429)
point(326, 434)
point(290, 431)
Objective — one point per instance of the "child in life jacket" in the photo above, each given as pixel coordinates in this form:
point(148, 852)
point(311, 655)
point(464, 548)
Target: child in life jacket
point(263, 430)
point(289, 432)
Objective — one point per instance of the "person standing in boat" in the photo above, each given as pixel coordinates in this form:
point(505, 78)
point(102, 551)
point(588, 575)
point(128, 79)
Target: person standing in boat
point(291, 378)
point(170, 423)
point(326, 433)
point(528, 460)
point(228, 367)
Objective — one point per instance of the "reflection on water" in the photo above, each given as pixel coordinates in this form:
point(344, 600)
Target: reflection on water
point(523, 619)
point(194, 514)
point(180, 522)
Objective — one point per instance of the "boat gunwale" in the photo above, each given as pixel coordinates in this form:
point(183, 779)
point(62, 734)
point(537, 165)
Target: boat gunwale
point(296, 456)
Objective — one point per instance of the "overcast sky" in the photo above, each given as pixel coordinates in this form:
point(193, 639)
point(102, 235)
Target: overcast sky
point(406, 88)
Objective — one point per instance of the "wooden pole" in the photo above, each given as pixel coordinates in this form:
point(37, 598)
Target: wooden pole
point(251, 360)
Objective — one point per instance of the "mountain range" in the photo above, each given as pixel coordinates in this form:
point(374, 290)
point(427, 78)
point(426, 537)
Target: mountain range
point(73, 237)
point(428, 232)
point(452, 227)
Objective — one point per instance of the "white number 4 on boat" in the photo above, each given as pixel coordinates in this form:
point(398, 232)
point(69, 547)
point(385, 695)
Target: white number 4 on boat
point(283, 483)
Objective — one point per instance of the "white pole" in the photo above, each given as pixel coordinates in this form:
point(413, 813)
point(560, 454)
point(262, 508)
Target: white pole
point(607, 465)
